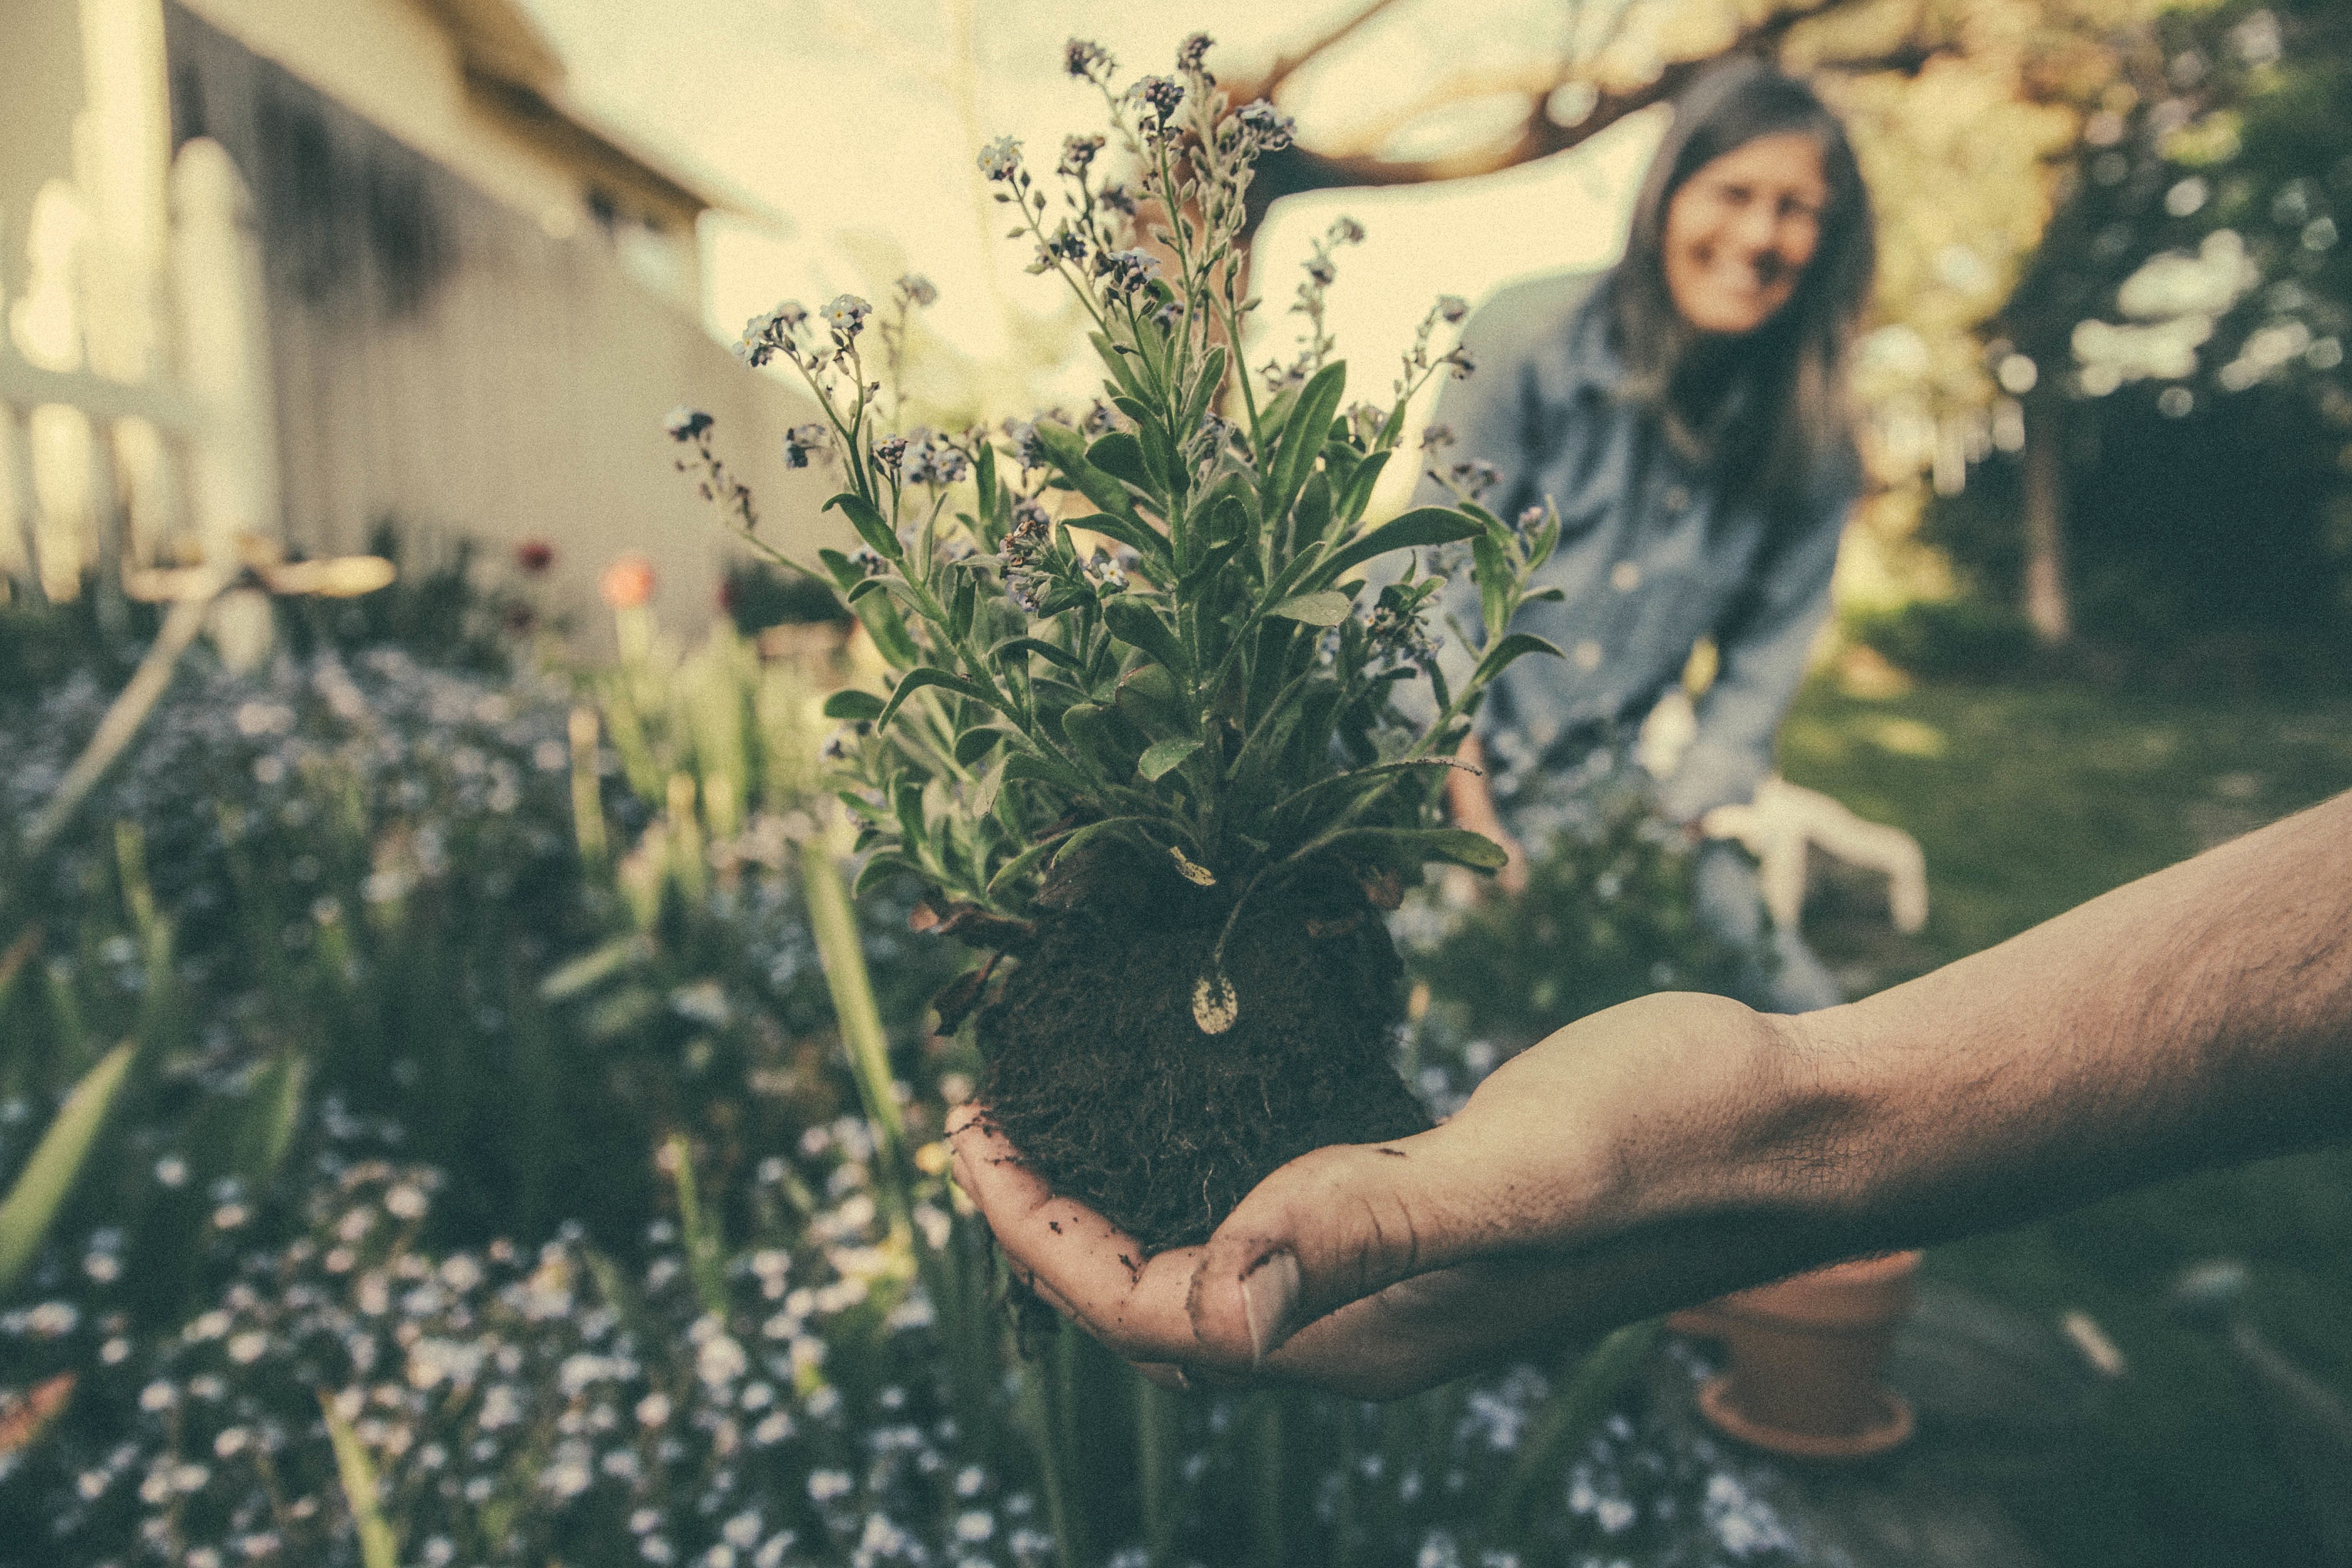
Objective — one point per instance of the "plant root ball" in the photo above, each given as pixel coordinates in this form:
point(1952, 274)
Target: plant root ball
point(1097, 1073)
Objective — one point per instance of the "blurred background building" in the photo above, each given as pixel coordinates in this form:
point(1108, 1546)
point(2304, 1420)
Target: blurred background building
point(303, 270)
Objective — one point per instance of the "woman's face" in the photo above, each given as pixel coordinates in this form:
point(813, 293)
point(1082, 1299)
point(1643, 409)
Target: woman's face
point(1740, 231)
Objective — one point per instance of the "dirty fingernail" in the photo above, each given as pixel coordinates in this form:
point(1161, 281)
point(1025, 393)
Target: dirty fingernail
point(1269, 1294)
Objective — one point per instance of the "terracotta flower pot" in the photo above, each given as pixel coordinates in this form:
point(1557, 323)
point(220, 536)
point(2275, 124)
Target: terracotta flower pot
point(1806, 1354)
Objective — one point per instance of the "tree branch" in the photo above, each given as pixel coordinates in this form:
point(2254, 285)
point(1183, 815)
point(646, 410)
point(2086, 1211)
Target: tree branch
point(1301, 168)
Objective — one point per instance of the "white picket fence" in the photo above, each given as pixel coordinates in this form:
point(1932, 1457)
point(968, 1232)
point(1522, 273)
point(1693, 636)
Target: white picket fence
point(103, 471)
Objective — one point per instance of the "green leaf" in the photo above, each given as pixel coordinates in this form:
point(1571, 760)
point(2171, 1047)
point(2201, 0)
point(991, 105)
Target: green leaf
point(1422, 525)
point(1120, 455)
point(984, 793)
point(914, 680)
point(1013, 870)
point(1163, 757)
point(1106, 351)
point(870, 587)
point(1458, 844)
point(1340, 786)
point(1208, 565)
point(846, 575)
point(1095, 732)
point(1139, 536)
point(888, 630)
point(1093, 830)
point(880, 867)
point(1325, 608)
point(974, 745)
point(1068, 448)
point(1302, 565)
point(1517, 646)
point(378, 1548)
point(960, 603)
point(592, 968)
point(1302, 436)
point(1049, 652)
point(1136, 624)
point(853, 704)
point(1357, 494)
point(871, 524)
point(48, 1176)
point(1493, 570)
point(1148, 695)
point(1204, 387)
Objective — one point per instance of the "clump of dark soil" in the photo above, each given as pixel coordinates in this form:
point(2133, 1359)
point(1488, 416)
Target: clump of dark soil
point(1099, 1076)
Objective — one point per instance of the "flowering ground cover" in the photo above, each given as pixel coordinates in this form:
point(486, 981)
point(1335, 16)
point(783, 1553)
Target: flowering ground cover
point(491, 1181)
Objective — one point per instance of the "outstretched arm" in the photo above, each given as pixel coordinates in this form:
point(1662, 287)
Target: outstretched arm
point(1681, 1146)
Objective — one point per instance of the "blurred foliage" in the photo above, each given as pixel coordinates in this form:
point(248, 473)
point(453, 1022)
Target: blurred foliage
point(1967, 637)
point(2181, 332)
point(757, 595)
point(2215, 547)
point(1608, 914)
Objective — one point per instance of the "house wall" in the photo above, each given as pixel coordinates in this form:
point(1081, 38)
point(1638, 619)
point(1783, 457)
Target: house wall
point(442, 362)
point(396, 64)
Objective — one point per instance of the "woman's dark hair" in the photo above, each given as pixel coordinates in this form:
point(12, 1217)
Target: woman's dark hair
point(1766, 410)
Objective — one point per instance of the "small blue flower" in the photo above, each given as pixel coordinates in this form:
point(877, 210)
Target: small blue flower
point(845, 314)
point(1000, 159)
point(686, 423)
point(802, 442)
point(1088, 60)
point(1158, 95)
point(1125, 272)
point(1267, 126)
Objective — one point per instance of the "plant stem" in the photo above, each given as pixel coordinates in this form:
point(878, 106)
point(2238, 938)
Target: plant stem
point(1153, 1409)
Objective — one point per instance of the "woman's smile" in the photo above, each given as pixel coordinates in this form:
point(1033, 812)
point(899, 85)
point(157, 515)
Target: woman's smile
point(1740, 232)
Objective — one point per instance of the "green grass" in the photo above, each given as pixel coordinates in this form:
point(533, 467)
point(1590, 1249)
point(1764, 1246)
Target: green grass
point(2028, 801)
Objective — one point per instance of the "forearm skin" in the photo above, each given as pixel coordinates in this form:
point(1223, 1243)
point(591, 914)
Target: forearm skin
point(2199, 1017)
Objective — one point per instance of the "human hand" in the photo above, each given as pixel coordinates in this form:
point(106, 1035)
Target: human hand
point(1374, 1270)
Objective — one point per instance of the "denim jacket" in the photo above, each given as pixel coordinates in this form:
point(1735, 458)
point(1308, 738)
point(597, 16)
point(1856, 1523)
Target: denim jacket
point(1652, 557)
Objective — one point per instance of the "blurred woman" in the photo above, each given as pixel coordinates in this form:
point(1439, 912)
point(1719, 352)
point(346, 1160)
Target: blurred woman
point(1686, 412)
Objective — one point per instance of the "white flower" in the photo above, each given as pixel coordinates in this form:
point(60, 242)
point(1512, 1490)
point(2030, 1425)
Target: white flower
point(846, 313)
point(823, 1486)
point(501, 1407)
point(1000, 158)
point(720, 1361)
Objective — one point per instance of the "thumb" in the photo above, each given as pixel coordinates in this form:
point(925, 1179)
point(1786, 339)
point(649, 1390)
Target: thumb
point(1329, 1229)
